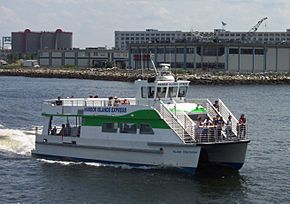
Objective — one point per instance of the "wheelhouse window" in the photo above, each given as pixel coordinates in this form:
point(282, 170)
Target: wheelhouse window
point(172, 92)
point(146, 129)
point(161, 92)
point(109, 127)
point(130, 128)
point(182, 91)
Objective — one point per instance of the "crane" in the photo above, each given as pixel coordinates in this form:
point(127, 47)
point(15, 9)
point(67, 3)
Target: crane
point(251, 32)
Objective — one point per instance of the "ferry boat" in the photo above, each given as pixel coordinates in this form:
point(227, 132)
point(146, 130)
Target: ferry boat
point(159, 127)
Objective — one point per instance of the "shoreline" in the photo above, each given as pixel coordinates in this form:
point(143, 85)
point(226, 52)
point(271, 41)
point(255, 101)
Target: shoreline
point(129, 75)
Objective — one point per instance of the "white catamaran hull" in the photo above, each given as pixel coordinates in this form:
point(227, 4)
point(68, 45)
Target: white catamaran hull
point(153, 154)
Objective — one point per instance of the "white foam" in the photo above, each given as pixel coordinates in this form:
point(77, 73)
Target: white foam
point(16, 140)
point(95, 164)
point(65, 163)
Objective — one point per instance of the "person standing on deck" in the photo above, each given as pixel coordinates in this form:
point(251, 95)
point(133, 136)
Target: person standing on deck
point(242, 126)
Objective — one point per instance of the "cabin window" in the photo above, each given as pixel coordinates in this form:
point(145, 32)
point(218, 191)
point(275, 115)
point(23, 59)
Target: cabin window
point(109, 127)
point(161, 92)
point(144, 91)
point(182, 91)
point(147, 92)
point(146, 129)
point(151, 92)
point(128, 128)
point(172, 92)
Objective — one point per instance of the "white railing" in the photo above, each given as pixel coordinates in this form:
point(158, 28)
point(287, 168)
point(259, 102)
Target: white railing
point(211, 110)
point(173, 122)
point(85, 102)
point(225, 112)
point(186, 121)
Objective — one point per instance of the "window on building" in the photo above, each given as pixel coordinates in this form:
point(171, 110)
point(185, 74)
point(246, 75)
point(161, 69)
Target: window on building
point(211, 51)
point(189, 50)
point(109, 127)
point(233, 51)
point(160, 50)
point(130, 128)
point(169, 50)
point(179, 50)
point(146, 129)
point(259, 51)
point(246, 51)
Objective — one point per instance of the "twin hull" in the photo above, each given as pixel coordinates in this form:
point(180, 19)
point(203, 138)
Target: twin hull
point(147, 154)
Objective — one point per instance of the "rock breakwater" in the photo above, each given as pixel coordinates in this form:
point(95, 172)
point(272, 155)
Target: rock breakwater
point(132, 75)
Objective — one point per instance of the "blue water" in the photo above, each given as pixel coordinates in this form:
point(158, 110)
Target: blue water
point(264, 177)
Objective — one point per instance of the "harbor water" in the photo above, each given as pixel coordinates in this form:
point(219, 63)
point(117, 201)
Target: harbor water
point(264, 178)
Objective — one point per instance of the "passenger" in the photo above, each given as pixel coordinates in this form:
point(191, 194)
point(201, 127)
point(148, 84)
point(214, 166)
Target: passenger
point(206, 122)
point(58, 102)
point(229, 121)
point(110, 102)
point(67, 130)
point(220, 121)
point(96, 96)
point(199, 122)
point(53, 131)
point(228, 129)
point(126, 101)
point(91, 96)
point(241, 128)
point(214, 121)
point(216, 105)
point(62, 131)
point(117, 102)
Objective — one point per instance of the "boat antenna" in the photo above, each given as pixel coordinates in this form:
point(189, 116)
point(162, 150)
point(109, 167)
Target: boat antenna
point(153, 63)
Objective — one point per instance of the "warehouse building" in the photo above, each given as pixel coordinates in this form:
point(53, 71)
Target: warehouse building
point(89, 57)
point(231, 57)
point(124, 38)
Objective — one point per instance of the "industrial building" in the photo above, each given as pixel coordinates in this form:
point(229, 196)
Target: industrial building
point(231, 57)
point(31, 42)
point(89, 57)
point(124, 38)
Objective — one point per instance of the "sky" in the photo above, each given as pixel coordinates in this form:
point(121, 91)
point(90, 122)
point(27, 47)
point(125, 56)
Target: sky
point(93, 22)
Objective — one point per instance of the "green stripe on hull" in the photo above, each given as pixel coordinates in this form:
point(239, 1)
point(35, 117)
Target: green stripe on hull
point(149, 116)
point(143, 116)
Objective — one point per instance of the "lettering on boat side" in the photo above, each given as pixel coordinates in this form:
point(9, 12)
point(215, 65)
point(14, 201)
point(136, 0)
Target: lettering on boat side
point(106, 109)
point(184, 152)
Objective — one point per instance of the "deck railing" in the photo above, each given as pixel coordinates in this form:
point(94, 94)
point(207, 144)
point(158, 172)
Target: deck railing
point(173, 122)
point(210, 134)
point(184, 119)
point(225, 112)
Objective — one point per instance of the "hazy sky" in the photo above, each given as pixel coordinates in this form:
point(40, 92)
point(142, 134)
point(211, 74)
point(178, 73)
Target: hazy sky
point(93, 22)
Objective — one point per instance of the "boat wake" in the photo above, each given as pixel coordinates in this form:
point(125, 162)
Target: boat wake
point(16, 140)
point(95, 164)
